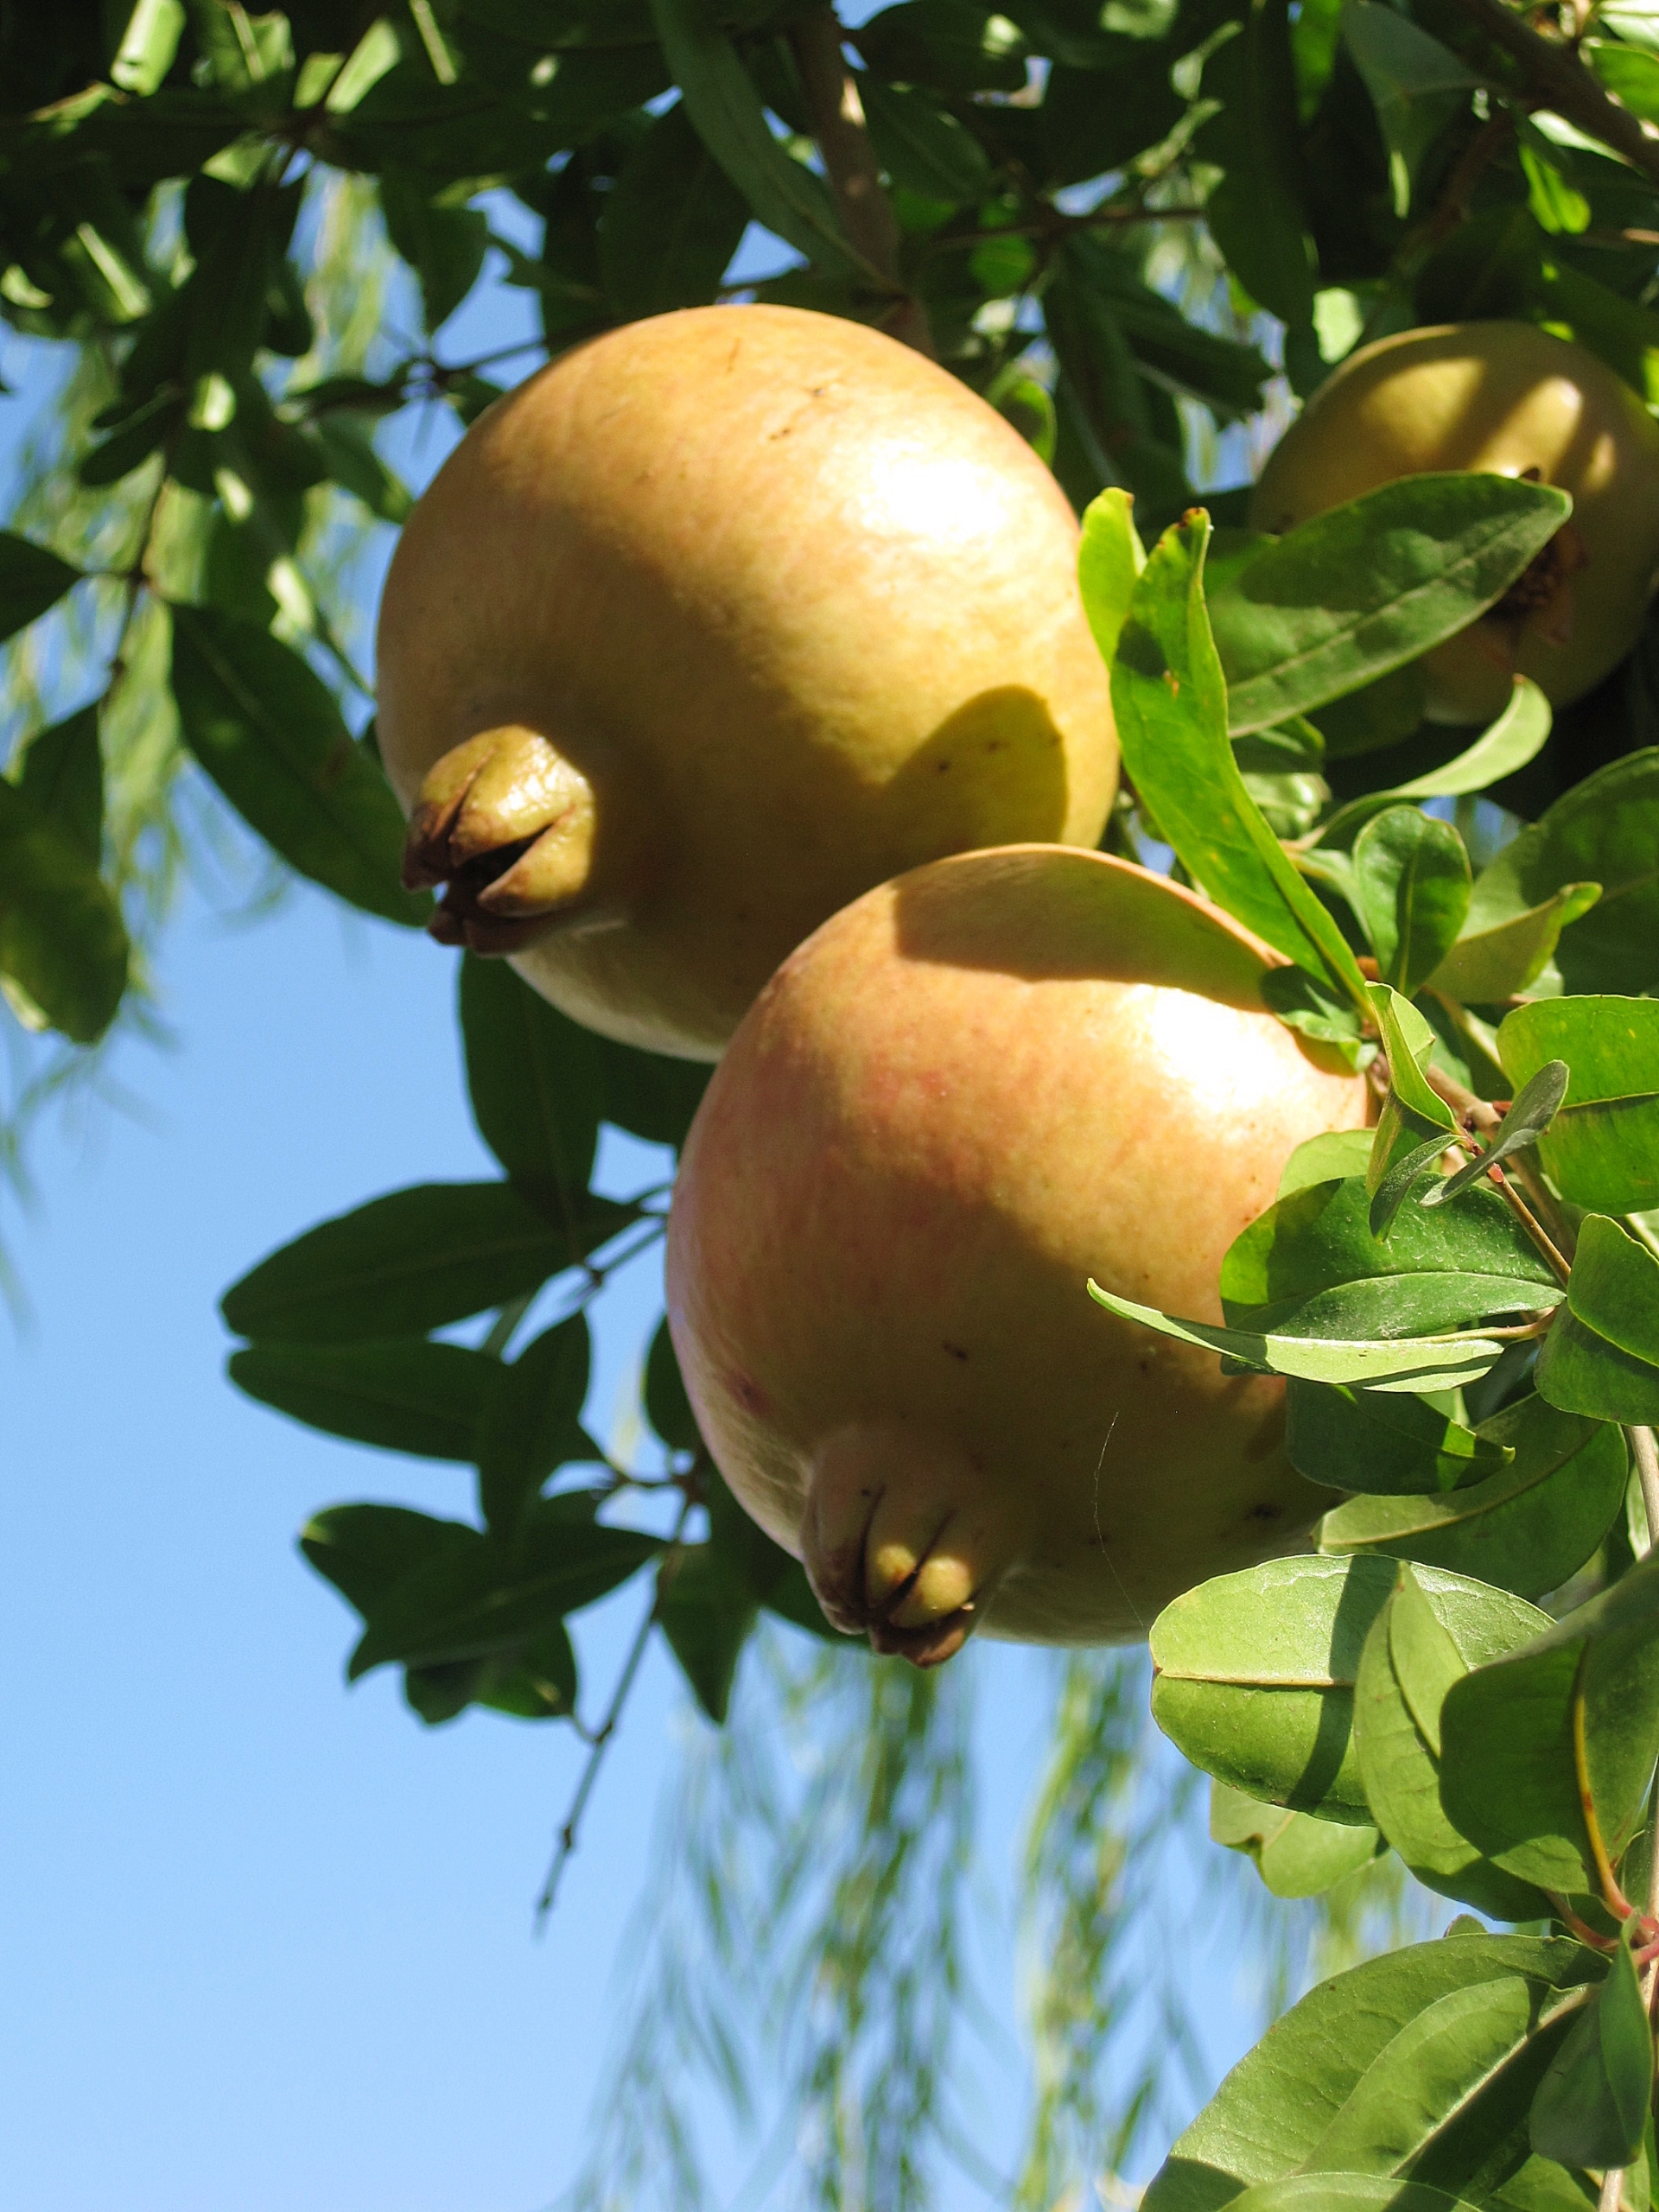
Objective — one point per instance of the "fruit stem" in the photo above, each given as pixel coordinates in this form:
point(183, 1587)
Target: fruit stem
point(849, 160)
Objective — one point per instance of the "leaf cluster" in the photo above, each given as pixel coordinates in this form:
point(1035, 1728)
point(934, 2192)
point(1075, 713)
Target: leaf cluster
point(1465, 1303)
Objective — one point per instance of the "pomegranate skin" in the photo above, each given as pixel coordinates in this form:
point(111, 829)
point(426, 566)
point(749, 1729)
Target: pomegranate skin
point(740, 610)
point(965, 1094)
point(1513, 399)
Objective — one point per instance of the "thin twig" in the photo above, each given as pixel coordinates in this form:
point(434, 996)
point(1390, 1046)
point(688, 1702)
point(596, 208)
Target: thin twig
point(836, 115)
point(1560, 1265)
point(1557, 79)
point(599, 1742)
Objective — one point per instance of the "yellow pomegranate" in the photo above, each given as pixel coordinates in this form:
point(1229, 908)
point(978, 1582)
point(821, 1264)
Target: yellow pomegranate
point(1510, 398)
point(964, 1095)
point(707, 628)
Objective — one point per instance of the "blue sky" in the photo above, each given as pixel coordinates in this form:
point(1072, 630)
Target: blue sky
point(264, 1944)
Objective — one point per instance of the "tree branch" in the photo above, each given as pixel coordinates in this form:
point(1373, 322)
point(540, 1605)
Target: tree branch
point(1559, 80)
point(837, 118)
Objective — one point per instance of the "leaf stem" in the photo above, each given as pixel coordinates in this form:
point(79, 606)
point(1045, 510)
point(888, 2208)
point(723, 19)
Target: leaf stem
point(599, 1742)
point(1612, 1896)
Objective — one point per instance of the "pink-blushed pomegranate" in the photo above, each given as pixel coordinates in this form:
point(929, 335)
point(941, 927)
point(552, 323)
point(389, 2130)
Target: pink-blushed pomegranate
point(965, 1094)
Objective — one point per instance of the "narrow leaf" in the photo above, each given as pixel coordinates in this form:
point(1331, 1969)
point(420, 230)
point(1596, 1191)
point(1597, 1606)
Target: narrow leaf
point(721, 97)
point(405, 1396)
point(410, 1262)
point(1171, 705)
point(1366, 586)
point(1393, 1364)
point(1529, 1115)
point(1517, 736)
point(61, 936)
point(269, 733)
point(31, 579)
point(1591, 2107)
point(1109, 561)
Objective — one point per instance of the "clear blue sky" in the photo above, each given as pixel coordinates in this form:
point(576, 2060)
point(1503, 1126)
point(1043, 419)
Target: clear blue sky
point(264, 1943)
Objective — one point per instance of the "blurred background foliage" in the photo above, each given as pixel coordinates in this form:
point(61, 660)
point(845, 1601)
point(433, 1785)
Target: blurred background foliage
point(1142, 229)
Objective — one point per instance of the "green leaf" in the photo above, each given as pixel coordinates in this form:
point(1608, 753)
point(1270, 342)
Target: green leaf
point(957, 45)
point(269, 733)
point(365, 1550)
point(923, 147)
point(1109, 560)
point(1530, 1113)
point(1417, 85)
point(1411, 1364)
point(1489, 964)
point(1509, 1781)
point(413, 1260)
point(1304, 1003)
point(1411, 880)
point(721, 97)
point(1256, 213)
point(667, 1407)
point(1410, 1043)
point(1328, 2192)
point(531, 1423)
point(1329, 1158)
point(1430, 2073)
point(648, 1094)
point(443, 243)
point(401, 1395)
point(1602, 1356)
point(1526, 1527)
point(31, 581)
point(346, 446)
point(62, 775)
point(1405, 1170)
point(707, 1606)
point(1367, 586)
point(62, 941)
point(1295, 1855)
point(1253, 1673)
point(1310, 1267)
point(1591, 2107)
point(1412, 1112)
point(672, 223)
point(1171, 706)
point(1385, 1445)
point(1602, 1148)
point(537, 1682)
point(534, 1078)
point(1604, 830)
point(1410, 1662)
point(1517, 736)
point(1272, 2109)
point(469, 1604)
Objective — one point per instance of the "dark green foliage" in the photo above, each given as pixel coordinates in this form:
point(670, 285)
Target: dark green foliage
point(1090, 205)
